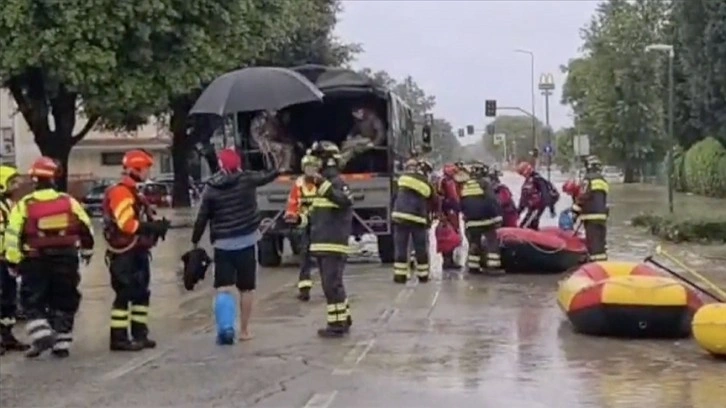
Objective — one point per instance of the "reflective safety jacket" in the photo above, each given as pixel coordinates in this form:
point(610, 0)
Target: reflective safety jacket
point(414, 200)
point(5, 205)
point(592, 205)
point(331, 216)
point(124, 209)
point(47, 223)
point(301, 197)
point(479, 204)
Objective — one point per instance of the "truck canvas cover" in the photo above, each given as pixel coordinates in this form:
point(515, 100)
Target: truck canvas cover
point(334, 81)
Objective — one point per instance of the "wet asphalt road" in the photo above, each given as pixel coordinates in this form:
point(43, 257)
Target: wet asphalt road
point(462, 342)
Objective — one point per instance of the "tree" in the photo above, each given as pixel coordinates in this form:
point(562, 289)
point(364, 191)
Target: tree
point(564, 148)
point(616, 89)
point(518, 131)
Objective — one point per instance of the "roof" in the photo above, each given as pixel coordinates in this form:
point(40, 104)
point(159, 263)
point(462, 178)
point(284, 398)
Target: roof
point(332, 79)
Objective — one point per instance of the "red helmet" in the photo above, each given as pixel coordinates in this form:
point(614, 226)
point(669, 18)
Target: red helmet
point(571, 187)
point(137, 160)
point(44, 168)
point(450, 169)
point(525, 169)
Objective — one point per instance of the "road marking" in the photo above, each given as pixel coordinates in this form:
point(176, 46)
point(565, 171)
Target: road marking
point(433, 303)
point(354, 357)
point(386, 315)
point(403, 296)
point(321, 400)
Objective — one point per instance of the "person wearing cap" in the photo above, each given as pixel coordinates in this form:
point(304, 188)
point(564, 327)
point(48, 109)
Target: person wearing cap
point(229, 206)
point(131, 231)
point(8, 283)
point(591, 208)
point(47, 231)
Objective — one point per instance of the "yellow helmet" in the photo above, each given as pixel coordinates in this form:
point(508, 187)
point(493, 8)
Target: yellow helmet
point(309, 160)
point(7, 173)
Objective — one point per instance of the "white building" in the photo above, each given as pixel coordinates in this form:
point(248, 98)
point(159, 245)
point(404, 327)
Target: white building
point(98, 155)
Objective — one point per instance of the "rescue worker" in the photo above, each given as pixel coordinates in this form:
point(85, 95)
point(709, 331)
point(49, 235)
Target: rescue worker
point(534, 198)
point(130, 231)
point(415, 201)
point(510, 216)
point(482, 217)
point(448, 191)
point(591, 209)
point(299, 201)
point(45, 230)
point(368, 131)
point(8, 282)
point(330, 220)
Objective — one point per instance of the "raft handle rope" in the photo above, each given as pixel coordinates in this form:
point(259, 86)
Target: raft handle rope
point(721, 297)
point(538, 248)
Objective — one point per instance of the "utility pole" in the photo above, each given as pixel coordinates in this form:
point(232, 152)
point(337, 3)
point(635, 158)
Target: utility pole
point(534, 119)
point(546, 86)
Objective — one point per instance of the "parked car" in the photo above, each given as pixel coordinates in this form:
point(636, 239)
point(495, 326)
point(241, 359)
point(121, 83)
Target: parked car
point(157, 194)
point(93, 200)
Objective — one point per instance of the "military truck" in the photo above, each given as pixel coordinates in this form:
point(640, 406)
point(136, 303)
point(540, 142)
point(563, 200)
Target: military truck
point(371, 175)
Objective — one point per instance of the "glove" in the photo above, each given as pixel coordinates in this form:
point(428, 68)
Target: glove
point(156, 228)
point(86, 255)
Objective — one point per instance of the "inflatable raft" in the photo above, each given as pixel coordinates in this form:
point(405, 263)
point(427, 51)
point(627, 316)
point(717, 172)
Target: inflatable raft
point(529, 251)
point(625, 299)
point(709, 328)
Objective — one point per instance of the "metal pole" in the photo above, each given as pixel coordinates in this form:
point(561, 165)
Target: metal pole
point(549, 132)
point(669, 155)
point(534, 115)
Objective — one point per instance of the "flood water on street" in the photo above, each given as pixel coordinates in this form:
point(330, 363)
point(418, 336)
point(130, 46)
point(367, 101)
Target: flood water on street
point(475, 342)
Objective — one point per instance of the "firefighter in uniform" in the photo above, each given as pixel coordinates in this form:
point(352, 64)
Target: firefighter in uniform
point(8, 282)
point(299, 202)
point(591, 210)
point(130, 231)
point(330, 220)
point(412, 207)
point(482, 217)
point(45, 230)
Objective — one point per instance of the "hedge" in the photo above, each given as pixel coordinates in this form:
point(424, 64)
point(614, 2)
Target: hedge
point(683, 230)
point(702, 169)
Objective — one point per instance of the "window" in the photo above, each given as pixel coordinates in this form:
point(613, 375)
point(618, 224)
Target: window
point(112, 158)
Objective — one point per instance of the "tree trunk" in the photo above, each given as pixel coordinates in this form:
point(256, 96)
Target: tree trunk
point(630, 173)
point(58, 147)
point(180, 148)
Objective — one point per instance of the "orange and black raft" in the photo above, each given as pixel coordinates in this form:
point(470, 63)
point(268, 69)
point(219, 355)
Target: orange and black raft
point(626, 299)
point(540, 252)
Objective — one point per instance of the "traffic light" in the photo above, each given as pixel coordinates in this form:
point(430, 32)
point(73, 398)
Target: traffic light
point(490, 129)
point(461, 132)
point(469, 129)
point(490, 108)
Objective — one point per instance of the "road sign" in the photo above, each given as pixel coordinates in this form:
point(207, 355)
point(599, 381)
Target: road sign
point(548, 150)
point(546, 82)
point(581, 145)
point(498, 138)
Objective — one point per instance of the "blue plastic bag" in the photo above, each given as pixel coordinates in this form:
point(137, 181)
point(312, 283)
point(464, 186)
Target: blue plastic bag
point(567, 220)
point(225, 313)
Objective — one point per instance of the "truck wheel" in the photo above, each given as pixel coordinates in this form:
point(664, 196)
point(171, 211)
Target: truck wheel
point(269, 251)
point(385, 248)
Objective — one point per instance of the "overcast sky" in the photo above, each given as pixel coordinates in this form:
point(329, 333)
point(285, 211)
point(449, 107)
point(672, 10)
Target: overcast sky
point(463, 51)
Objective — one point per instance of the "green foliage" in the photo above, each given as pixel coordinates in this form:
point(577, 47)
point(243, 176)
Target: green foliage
point(703, 166)
point(616, 89)
point(564, 148)
point(679, 170)
point(682, 230)
point(519, 139)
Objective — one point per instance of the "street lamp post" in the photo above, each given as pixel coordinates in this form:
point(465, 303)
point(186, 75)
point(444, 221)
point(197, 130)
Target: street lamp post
point(547, 85)
point(534, 115)
point(667, 48)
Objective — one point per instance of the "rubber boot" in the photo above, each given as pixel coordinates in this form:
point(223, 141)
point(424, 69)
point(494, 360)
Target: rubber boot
point(225, 313)
point(333, 330)
point(120, 341)
point(2, 350)
point(304, 294)
point(423, 279)
point(39, 346)
point(448, 262)
point(146, 342)
point(9, 342)
point(400, 279)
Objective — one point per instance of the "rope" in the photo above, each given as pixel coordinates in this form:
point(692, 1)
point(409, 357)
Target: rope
point(536, 247)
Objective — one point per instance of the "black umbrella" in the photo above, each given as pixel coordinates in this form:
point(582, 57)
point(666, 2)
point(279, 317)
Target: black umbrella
point(254, 89)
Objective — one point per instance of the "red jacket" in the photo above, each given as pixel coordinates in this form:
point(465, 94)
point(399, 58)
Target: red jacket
point(509, 208)
point(449, 193)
